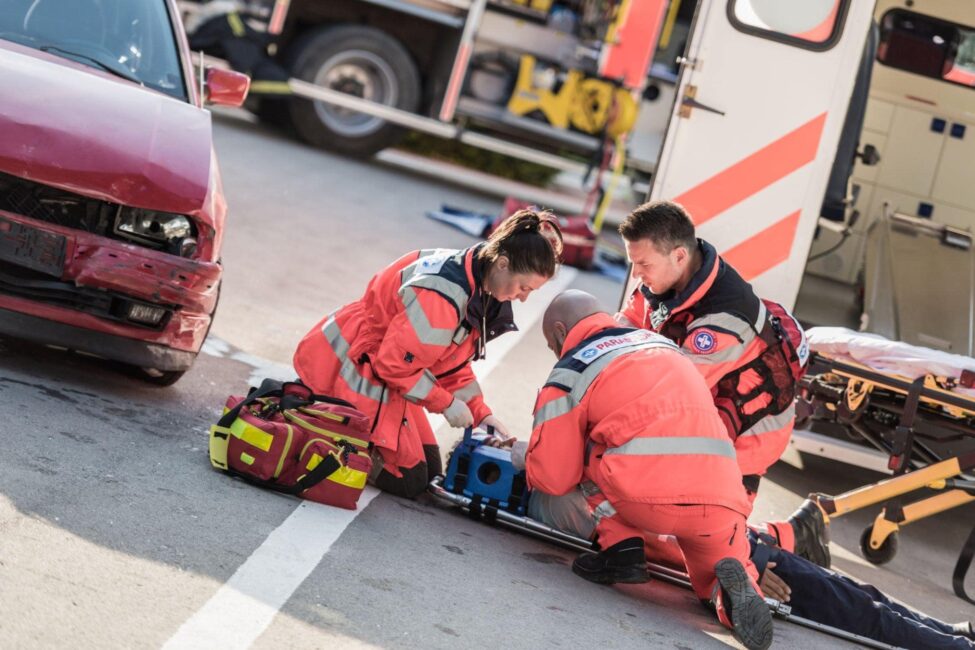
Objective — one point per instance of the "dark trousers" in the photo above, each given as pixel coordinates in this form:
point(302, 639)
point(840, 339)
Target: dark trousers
point(827, 597)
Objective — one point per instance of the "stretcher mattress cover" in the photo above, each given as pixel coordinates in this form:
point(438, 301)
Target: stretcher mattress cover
point(884, 355)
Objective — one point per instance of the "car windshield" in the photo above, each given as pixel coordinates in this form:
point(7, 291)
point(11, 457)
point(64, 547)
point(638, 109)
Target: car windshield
point(133, 39)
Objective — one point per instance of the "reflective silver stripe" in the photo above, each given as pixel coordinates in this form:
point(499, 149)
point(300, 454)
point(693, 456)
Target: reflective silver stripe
point(673, 445)
point(587, 376)
point(726, 322)
point(426, 333)
point(455, 293)
point(604, 509)
point(771, 422)
point(578, 382)
point(347, 368)
point(468, 392)
point(461, 335)
point(762, 315)
point(421, 389)
point(553, 409)
point(589, 488)
point(563, 377)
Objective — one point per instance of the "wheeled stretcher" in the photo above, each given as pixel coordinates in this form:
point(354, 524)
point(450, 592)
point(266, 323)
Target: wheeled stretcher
point(915, 406)
point(481, 481)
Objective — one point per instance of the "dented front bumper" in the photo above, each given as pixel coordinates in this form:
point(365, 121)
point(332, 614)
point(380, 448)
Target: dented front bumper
point(93, 283)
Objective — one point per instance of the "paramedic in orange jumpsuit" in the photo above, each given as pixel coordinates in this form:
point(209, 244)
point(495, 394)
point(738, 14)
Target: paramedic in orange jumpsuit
point(408, 343)
point(626, 415)
point(688, 293)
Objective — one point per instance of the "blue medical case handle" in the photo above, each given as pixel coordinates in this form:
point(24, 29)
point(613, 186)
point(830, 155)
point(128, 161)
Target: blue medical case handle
point(469, 431)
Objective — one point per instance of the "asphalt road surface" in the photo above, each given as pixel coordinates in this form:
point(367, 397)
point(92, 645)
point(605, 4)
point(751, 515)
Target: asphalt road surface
point(116, 533)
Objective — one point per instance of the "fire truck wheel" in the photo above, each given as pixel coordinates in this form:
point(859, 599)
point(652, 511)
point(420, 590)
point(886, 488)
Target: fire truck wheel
point(361, 61)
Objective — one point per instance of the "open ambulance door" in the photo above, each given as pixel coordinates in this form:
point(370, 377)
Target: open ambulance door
point(761, 100)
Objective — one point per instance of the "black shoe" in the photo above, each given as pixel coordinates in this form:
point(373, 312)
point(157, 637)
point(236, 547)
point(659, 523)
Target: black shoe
point(623, 562)
point(811, 533)
point(750, 617)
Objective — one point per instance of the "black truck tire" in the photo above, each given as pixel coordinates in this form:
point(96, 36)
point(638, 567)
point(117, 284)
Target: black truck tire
point(362, 61)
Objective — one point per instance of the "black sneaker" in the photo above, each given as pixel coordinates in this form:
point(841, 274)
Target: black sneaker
point(750, 617)
point(623, 562)
point(811, 533)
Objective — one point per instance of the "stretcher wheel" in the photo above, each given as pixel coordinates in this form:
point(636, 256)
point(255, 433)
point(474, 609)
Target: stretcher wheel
point(881, 555)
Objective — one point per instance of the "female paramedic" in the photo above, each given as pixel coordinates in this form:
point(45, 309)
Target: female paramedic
point(408, 343)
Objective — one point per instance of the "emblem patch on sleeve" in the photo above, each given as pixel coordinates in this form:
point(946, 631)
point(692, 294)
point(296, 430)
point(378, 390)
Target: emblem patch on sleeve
point(703, 341)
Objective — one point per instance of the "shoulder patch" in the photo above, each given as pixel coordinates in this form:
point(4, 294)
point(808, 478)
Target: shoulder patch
point(703, 341)
point(433, 263)
point(601, 346)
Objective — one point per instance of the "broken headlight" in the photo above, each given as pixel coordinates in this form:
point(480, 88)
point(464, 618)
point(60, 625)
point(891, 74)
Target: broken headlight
point(173, 233)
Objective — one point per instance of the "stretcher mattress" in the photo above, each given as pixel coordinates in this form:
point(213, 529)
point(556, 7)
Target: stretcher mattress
point(884, 355)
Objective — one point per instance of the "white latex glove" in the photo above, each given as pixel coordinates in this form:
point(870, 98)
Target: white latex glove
point(500, 431)
point(518, 452)
point(458, 415)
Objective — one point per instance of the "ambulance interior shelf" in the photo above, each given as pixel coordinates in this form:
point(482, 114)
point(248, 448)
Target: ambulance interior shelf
point(914, 404)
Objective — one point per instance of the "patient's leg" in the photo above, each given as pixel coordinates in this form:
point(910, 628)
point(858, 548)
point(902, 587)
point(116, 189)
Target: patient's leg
point(569, 513)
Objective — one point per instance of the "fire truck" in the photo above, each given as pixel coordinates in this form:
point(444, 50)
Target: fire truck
point(554, 82)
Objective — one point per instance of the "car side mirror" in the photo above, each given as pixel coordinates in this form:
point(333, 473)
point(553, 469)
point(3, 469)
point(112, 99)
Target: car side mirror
point(226, 87)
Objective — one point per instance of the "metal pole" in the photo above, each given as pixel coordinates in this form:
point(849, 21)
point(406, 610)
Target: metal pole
point(461, 61)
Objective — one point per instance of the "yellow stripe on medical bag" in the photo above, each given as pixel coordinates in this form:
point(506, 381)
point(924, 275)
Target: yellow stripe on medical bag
point(284, 452)
point(323, 432)
point(252, 435)
point(219, 440)
point(324, 414)
point(344, 475)
point(246, 458)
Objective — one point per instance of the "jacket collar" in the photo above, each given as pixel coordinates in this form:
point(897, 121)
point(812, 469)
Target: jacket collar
point(484, 312)
point(585, 328)
point(665, 304)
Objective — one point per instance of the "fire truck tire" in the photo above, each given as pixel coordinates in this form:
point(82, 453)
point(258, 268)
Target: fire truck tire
point(362, 61)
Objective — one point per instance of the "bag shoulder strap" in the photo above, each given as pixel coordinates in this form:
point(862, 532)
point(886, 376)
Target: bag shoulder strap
point(268, 388)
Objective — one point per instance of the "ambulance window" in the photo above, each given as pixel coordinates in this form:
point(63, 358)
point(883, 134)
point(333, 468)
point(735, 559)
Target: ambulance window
point(927, 46)
point(812, 24)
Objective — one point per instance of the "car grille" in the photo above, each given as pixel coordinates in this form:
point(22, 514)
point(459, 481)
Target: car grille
point(24, 283)
point(56, 206)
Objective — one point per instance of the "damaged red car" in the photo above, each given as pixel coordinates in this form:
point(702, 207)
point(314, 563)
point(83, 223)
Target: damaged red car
point(111, 204)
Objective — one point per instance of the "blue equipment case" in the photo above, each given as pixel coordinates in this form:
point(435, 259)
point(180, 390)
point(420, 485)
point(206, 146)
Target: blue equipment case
point(485, 475)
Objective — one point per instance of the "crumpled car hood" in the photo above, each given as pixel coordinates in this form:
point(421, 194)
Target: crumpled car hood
point(73, 127)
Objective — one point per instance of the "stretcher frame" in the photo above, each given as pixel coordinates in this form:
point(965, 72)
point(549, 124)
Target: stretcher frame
point(916, 412)
point(492, 515)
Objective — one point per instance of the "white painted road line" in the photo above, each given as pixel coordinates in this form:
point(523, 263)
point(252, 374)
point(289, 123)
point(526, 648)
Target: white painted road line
point(243, 608)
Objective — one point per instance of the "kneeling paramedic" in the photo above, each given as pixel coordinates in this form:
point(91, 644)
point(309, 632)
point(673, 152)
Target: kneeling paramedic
point(748, 350)
point(408, 343)
point(625, 414)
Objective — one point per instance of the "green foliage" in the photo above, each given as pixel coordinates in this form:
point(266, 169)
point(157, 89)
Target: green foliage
point(488, 162)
